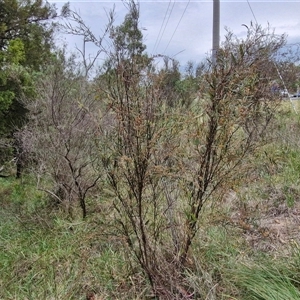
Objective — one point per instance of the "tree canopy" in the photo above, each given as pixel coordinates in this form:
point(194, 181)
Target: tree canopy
point(26, 40)
point(19, 17)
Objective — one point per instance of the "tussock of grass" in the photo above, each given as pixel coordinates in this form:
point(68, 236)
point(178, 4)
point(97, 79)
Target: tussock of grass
point(266, 282)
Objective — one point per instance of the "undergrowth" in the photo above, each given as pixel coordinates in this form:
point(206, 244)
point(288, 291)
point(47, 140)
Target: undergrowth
point(246, 248)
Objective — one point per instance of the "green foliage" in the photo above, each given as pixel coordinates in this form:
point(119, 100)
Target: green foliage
point(15, 52)
point(17, 18)
point(170, 84)
point(128, 46)
point(26, 40)
point(128, 36)
point(6, 98)
point(9, 72)
point(17, 82)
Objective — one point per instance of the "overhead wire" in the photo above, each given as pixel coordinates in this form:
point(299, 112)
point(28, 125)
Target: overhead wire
point(166, 24)
point(177, 26)
point(252, 12)
point(161, 26)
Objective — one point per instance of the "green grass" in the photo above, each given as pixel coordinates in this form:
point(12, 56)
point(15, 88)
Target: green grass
point(266, 282)
point(65, 261)
point(45, 256)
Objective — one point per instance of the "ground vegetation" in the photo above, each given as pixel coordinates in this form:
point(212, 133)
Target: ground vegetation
point(145, 183)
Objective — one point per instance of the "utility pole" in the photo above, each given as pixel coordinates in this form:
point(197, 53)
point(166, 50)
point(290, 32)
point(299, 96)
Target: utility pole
point(216, 31)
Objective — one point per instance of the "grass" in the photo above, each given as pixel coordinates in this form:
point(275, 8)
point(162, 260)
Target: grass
point(237, 253)
point(45, 256)
point(266, 282)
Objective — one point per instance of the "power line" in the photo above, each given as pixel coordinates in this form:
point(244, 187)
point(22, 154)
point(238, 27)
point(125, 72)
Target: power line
point(177, 25)
point(162, 24)
point(166, 24)
point(252, 12)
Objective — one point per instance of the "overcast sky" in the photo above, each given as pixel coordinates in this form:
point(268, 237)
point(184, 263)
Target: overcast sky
point(183, 29)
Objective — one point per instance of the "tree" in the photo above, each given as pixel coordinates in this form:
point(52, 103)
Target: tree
point(128, 38)
point(17, 18)
point(15, 80)
point(62, 133)
point(26, 40)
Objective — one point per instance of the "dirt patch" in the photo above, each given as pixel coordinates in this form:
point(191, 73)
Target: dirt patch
point(269, 226)
point(276, 233)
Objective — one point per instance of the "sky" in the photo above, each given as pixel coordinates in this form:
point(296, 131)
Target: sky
point(183, 29)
